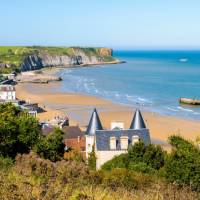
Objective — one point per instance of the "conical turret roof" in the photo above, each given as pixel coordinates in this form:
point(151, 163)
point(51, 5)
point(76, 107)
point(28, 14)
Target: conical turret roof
point(94, 124)
point(137, 122)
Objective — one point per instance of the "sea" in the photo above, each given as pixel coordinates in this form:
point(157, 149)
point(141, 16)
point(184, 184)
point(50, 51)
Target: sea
point(149, 80)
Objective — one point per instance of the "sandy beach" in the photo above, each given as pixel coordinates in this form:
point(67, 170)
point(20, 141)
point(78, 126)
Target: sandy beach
point(79, 107)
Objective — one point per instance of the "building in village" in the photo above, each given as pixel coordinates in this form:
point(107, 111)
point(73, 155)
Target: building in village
point(113, 142)
point(7, 93)
point(73, 139)
point(31, 108)
point(59, 121)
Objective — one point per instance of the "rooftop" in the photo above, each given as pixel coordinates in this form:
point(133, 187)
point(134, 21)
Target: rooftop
point(138, 121)
point(72, 132)
point(103, 137)
point(7, 88)
point(94, 124)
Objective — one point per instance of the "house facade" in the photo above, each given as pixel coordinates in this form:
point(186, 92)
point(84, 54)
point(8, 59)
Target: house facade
point(110, 143)
point(7, 93)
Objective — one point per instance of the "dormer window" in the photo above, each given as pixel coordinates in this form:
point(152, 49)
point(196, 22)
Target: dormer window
point(135, 139)
point(124, 142)
point(113, 143)
point(117, 125)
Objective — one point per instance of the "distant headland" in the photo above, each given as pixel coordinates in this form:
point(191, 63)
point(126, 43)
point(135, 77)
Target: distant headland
point(25, 58)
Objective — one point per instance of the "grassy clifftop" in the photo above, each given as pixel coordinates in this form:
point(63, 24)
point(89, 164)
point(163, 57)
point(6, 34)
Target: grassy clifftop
point(11, 57)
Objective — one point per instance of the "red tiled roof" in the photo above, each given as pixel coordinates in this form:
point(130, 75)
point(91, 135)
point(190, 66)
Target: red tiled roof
point(76, 143)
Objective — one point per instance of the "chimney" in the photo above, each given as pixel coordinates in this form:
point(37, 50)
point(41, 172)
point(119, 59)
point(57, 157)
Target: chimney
point(78, 139)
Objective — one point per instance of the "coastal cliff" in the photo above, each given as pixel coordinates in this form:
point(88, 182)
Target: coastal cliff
point(34, 58)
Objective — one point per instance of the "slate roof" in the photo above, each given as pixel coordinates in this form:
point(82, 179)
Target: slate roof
point(103, 137)
point(71, 132)
point(94, 124)
point(137, 122)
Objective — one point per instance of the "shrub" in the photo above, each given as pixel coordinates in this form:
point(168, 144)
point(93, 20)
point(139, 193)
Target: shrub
point(119, 178)
point(141, 167)
point(136, 152)
point(183, 164)
point(150, 158)
point(5, 163)
point(120, 161)
point(154, 156)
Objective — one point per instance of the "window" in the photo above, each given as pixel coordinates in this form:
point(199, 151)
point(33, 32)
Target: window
point(113, 143)
point(135, 139)
point(124, 142)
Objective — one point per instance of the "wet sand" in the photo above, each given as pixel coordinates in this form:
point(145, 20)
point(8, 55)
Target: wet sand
point(79, 107)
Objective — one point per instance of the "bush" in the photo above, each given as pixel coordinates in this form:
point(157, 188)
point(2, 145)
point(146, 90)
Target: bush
point(150, 158)
point(74, 154)
point(5, 163)
point(120, 161)
point(119, 178)
point(154, 156)
point(141, 167)
point(183, 164)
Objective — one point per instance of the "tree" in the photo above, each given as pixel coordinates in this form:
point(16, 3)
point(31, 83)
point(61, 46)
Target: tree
point(18, 131)
point(28, 130)
point(51, 146)
point(10, 52)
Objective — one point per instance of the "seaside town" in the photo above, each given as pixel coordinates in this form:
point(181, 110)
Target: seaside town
point(100, 100)
point(106, 143)
point(48, 131)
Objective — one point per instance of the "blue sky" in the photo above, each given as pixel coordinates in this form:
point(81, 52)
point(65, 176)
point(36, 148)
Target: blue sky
point(126, 24)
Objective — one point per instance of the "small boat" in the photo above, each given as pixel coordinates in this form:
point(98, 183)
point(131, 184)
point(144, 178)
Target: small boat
point(189, 101)
point(183, 60)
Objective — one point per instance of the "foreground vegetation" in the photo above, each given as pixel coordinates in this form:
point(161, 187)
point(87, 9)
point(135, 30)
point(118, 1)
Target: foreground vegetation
point(32, 167)
point(13, 56)
point(181, 166)
point(34, 178)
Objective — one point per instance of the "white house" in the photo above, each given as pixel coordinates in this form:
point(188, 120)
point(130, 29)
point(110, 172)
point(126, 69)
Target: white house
point(110, 143)
point(7, 93)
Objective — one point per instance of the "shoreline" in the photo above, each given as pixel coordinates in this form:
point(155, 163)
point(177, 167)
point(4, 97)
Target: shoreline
point(47, 74)
point(79, 108)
